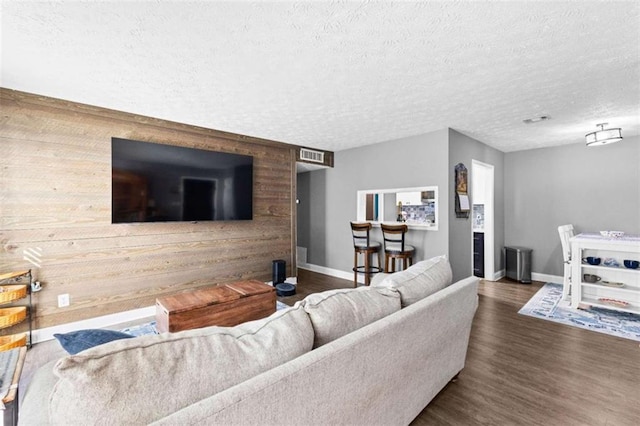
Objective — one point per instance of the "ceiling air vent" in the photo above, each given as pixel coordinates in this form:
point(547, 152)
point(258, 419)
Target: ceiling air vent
point(311, 155)
point(536, 119)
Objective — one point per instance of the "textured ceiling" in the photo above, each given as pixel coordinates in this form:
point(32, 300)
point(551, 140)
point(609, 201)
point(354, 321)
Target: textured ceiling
point(339, 74)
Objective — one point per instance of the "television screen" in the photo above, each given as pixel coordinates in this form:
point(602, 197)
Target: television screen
point(163, 183)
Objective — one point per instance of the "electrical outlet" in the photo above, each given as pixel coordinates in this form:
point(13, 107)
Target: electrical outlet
point(63, 300)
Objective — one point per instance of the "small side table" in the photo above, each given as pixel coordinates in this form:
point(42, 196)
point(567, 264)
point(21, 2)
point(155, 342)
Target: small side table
point(11, 363)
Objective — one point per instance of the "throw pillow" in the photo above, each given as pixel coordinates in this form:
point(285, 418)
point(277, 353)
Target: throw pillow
point(420, 280)
point(335, 313)
point(78, 341)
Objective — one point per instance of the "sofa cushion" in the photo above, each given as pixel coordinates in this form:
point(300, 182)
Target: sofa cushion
point(420, 280)
point(335, 313)
point(78, 341)
point(164, 373)
point(35, 398)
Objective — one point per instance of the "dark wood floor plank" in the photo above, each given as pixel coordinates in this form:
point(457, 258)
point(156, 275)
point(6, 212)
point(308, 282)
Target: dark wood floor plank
point(527, 371)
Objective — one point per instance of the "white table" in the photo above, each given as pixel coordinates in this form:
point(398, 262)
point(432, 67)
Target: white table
point(619, 249)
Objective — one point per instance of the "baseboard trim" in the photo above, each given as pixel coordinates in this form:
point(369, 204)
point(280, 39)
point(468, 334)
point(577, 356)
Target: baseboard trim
point(496, 276)
point(329, 271)
point(535, 276)
point(546, 278)
point(44, 334)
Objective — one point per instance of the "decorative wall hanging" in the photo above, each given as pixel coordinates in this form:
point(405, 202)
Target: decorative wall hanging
point(462, 197)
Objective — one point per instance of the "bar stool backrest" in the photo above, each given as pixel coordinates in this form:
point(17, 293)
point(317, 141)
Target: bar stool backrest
point(393, 236)
point(360, 231)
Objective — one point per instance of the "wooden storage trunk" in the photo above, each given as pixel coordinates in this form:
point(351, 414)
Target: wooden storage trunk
point(225, 305)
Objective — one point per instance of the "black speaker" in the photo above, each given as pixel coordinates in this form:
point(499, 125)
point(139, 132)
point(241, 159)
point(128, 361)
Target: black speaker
point(279, 271)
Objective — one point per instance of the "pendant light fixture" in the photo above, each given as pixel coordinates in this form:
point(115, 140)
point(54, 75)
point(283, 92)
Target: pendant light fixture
point(603, 136)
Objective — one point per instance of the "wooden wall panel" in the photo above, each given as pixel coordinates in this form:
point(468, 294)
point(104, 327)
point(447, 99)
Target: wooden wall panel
point(55, 192)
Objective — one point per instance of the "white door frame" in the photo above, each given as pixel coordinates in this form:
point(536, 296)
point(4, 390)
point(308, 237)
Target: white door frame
point(486, 171)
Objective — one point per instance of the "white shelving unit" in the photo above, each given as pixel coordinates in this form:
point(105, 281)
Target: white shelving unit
point(606, 293)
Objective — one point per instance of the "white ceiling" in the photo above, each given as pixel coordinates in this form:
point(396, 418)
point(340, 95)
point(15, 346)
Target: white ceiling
point(339, 74)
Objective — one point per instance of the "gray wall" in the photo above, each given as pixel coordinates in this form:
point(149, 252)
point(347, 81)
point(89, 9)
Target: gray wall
point(535, 192)
point(303, 213)
point(592, 188)
point(408, 162)
point(463, 149)
point(315, 203)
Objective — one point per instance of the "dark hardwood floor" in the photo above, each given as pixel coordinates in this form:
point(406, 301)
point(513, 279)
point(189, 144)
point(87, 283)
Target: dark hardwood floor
point(527, 371)
point(312, 282)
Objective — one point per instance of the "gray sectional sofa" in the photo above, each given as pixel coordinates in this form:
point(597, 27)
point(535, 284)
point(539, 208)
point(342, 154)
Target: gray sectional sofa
point(371, 355)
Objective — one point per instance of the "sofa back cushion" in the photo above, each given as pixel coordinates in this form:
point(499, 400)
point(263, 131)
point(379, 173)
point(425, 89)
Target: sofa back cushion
point(335, 313)
point(136, 381)
point(420, 280)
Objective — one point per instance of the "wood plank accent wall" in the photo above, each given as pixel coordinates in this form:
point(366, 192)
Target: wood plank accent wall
point(55, 192)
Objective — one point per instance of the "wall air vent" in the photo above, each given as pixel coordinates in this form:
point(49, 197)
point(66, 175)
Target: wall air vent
point(311, 155)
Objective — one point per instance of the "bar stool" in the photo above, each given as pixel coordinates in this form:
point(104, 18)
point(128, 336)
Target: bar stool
point(363, 245)
point(395, 247)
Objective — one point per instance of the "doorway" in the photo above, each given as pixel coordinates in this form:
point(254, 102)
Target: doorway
point(483, 225)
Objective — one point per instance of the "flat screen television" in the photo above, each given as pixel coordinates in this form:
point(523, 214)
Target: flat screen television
point(153, 182)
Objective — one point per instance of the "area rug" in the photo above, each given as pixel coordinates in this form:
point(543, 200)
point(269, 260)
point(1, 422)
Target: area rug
point(547, 304)
point(150, 327)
